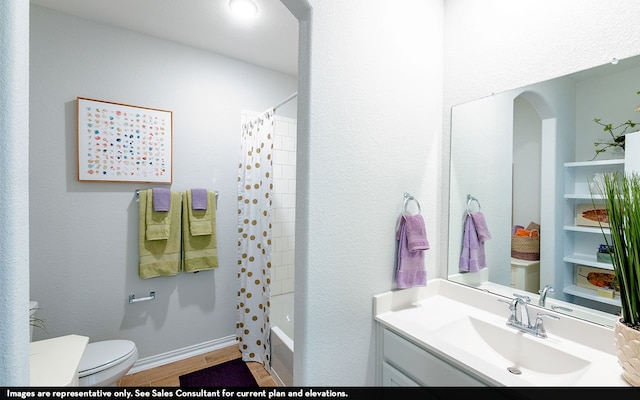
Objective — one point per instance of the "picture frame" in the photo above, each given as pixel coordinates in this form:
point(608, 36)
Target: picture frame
point(596, 278)
point(119, 142)
point(588, 215)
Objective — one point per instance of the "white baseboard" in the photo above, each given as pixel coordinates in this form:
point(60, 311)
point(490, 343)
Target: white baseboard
point(180, 354)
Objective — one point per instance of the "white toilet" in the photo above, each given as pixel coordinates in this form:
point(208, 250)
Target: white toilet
point(104, 363)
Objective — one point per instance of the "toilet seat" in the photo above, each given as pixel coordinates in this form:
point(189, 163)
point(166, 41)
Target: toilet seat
point(99, 356)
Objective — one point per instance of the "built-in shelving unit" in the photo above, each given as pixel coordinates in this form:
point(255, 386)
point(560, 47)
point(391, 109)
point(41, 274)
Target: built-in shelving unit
point(581, 242)
point(590, 295)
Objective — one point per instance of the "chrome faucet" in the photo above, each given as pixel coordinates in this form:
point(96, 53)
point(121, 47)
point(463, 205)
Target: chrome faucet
point(543, 294)
point(519, 311)
point(521, 320)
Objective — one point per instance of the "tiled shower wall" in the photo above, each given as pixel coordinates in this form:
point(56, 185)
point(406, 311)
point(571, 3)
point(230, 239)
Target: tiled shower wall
point(284, 202)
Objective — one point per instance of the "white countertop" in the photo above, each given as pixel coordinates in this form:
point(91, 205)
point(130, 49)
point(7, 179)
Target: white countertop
point(418, 313)
point(54, 362)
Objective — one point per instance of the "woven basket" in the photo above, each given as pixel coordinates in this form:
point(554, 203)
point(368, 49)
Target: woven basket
point(526, 247)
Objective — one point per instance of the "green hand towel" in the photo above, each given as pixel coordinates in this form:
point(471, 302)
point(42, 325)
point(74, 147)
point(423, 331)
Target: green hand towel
point(158, 223)
point(199, 252)
point(159, 257)
point(199, 220)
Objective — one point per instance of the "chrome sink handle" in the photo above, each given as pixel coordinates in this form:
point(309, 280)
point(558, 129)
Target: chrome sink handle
point(539, 329)
point(514, 316)
point(523, 297)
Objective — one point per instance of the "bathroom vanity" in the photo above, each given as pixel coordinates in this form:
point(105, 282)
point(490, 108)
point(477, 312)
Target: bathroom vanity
point(405, 363)
point(449, 334)
point(54, 362)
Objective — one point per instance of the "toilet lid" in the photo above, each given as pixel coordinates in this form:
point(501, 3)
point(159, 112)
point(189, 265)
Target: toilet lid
point(99, 356)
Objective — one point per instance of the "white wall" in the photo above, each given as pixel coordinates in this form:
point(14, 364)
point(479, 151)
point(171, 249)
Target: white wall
point(14, 193)
point(496, 45)
point(354, 98)
point(84, 234)
point(371, 132)
point(527, 128)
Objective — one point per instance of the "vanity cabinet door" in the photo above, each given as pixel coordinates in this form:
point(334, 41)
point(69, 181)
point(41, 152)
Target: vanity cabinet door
point(393, 377)
point(419, 365)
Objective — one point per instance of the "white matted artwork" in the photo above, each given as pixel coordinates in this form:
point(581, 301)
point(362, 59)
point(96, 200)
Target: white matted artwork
point(123, 143)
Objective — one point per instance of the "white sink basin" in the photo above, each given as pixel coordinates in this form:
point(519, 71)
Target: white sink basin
point(466, 328)
point(517, 352)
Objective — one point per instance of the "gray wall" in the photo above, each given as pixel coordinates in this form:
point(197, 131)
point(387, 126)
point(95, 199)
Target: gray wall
point(83, 235)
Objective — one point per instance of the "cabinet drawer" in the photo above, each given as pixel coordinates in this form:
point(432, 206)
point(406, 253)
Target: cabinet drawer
point(422, 366)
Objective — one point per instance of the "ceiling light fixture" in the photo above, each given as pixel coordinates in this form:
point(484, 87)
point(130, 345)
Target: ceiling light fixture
point(243, 8)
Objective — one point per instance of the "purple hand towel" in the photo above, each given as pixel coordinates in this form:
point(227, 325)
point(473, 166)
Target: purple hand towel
point(161, 199)
point(472, 258)
point(199, 199)
point(481, 226)
point(410, 269)
point(416, 233)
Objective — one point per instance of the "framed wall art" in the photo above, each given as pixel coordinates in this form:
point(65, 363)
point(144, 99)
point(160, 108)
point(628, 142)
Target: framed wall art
point(588, 215)
point(123, 143)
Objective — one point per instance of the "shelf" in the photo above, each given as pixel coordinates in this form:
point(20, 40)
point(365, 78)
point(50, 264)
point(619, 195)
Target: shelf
point(598, 163)
point(582, 241)
point(587, 229)
point(591, 295)
point(587, 260)
point(583, 196)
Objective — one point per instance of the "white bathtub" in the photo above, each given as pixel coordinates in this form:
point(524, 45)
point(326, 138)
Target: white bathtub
point(281, 317)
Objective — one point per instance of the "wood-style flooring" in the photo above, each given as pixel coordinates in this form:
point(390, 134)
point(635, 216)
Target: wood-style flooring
point(168, 375)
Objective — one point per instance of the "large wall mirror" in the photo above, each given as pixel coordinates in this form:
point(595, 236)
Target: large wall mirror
point(520, 155)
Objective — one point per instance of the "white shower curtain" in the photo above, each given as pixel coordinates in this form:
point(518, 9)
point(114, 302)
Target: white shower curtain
point(254, 238)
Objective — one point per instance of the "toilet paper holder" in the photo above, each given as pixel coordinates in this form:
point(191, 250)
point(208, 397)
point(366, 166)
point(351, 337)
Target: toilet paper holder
point(132, 298)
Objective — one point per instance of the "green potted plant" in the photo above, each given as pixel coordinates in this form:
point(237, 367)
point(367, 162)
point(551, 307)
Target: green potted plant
point(35, 321)
point(621, 192)
point(617, 134)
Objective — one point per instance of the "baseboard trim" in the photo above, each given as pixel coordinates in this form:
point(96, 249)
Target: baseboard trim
point(180, 354)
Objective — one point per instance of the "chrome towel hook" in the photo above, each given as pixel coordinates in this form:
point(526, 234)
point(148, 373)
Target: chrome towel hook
point(470, 199)
point(407, 198)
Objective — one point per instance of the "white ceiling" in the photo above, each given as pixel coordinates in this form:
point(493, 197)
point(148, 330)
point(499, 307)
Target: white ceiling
point(269, 40)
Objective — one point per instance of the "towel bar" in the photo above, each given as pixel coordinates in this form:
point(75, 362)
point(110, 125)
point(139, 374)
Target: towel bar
point(216, 192)
point(470, 198)
point(408, 197)
point(132, 298)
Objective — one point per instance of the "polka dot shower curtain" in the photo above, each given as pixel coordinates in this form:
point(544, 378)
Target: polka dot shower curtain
point(254, 238)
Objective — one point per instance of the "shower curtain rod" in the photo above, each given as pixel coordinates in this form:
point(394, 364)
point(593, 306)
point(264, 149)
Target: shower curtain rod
point(283, 102)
